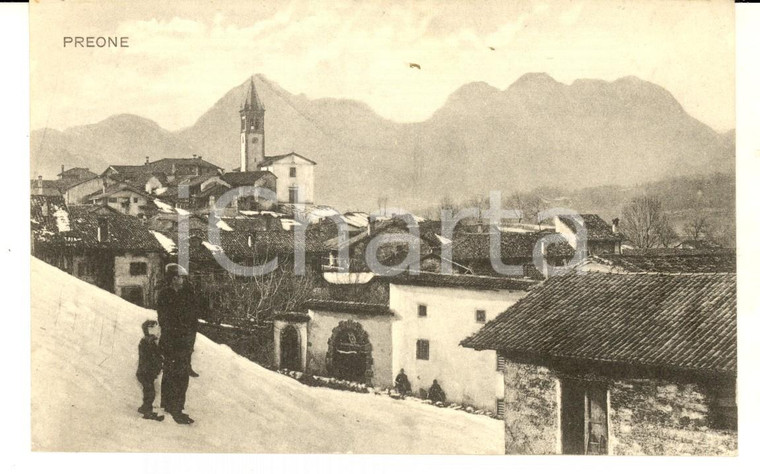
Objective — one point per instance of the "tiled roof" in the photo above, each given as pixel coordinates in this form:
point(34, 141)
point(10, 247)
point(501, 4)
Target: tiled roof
point(116, 187)
point(715, 262)
point(685, 321)
point(165, 164)
point(596, 227)
point(291, 316)
point(520, 245)
point(271, 159)
point(349, 307)
point(125, 233)
point(461, 281)
point(276, 241)
point(244, 178)
point(42, 213)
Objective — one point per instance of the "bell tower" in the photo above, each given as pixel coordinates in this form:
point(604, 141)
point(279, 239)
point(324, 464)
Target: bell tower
point(251, 130)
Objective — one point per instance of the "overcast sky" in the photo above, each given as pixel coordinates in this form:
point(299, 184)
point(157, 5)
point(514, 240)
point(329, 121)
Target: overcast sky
point(185, 55)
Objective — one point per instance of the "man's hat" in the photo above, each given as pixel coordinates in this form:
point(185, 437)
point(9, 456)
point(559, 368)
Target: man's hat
point(173, 270)
point(148, 324)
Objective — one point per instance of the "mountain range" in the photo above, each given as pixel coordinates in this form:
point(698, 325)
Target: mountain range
point(537, 132)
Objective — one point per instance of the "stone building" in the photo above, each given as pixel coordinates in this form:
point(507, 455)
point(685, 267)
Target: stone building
point(99, 245)
point(417, 329)
point(601, 237)
point(605, 363)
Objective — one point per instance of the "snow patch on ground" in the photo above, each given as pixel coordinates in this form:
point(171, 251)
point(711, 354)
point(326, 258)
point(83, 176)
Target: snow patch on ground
point(85, 394)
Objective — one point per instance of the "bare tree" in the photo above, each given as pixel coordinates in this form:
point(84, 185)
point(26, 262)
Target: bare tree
point(698, 227)
point(643, 221)
point(529, 204)
point(665, 233)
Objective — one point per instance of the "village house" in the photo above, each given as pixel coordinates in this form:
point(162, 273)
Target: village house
point(124, 198)
point(605, 363)
point(471, 253)
point(73, 184)
point(215, 186)
point(98, 244)
point(417, 329)
point(601, 237)
point(245, 240)
point(295, 173)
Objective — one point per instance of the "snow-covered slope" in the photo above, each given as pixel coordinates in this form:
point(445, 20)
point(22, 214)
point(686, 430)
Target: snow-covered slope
point(85, 395)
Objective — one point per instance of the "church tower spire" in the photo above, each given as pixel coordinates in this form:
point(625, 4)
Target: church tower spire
point(251, 130)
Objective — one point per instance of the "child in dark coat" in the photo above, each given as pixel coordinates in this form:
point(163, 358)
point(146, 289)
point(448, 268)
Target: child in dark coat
point(148, 368)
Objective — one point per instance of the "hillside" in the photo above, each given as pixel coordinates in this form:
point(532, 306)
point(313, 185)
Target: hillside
point(85, 394)
point(537, 132)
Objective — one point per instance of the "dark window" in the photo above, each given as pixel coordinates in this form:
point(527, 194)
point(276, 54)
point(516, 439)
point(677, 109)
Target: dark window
point(84, 269)
point(293, 194)
point(138, 268)
point(421, 310)
point(133, 294)
point(500, 407)
point(134, 200)
point(423, 349)
point(480, 316)
point(292, 172)
point(112, 200)
point(583, 417)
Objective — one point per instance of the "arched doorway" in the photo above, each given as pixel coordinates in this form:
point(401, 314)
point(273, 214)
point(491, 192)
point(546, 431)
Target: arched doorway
point(290, 349)
point(349, 353)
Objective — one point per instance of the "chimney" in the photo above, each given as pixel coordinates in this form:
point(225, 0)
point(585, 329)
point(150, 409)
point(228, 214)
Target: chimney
point(61, 171)
point(102, 229)
point(615, 223)
point(544, 263)
point(147, 160)
point(371, 225)
point(174, 169)
point(39, 182)
point(105, 184)
point(211, 202)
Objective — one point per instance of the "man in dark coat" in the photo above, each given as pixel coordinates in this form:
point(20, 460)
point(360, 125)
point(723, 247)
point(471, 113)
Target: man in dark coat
point(178, 320)
point(402, 384)
point(436, 393)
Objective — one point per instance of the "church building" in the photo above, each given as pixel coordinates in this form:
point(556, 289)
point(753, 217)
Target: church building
point(295, 173)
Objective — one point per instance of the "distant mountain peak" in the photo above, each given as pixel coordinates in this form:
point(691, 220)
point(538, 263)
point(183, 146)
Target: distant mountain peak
point(535, 78)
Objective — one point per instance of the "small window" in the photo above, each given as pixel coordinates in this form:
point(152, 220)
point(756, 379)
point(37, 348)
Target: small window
point(500, 407)
point(112, 200)
point(500, 363)
point(138, 268)
point(134, 200)
point(421, 310)
point(133, 294)
point(480, 316)
point(423, 349)
point(84, 269)
point(292, 171)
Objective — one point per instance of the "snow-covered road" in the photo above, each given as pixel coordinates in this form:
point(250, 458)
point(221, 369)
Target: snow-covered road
point(85, 395)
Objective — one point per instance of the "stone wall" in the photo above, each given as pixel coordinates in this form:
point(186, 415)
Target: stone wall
point(664, 418)
point(646, 416)
point(531, 409)
point(255, 344)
